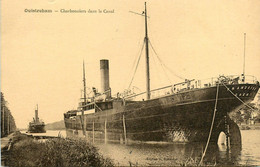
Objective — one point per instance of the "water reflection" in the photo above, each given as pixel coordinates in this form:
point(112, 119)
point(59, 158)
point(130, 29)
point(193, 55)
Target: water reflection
point(168, 154)
point(185, 154)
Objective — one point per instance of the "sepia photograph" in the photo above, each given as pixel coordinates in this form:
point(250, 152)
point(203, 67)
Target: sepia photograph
point(130, 83)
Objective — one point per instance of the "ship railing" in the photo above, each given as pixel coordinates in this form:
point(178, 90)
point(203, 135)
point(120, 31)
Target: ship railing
point(155, 93)
point(230, 79)
point(191, 84)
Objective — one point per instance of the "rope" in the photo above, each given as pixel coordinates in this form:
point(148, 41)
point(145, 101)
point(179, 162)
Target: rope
point(163, 65)
point(97, 107)
point(136, 58)
point(136, 66)
point(238, 98)
point(140, 35)
point(212, 123)
point(157, 68)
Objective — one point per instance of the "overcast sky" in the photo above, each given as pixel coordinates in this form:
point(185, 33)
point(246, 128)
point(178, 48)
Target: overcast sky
point(42, 53)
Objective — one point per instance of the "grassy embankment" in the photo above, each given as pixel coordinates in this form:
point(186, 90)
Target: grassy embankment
point(54, 152)
point(28, 152)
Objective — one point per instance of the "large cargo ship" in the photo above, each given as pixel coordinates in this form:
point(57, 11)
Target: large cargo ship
point(183, 112)
point(36, 126)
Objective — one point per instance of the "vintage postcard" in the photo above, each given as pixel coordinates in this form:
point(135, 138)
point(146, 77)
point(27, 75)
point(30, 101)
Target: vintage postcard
point(130, 83)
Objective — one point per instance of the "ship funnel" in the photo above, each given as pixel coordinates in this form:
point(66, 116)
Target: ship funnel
point(36, 115)
point(104, 70)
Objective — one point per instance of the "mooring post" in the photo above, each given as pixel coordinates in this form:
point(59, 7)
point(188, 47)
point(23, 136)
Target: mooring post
point(82, 122)
point(85, 127)
point(93, 131)
point(106, 131)
point(124, 128)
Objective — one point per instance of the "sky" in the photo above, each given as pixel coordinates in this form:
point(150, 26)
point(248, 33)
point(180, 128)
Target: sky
point(42, 53)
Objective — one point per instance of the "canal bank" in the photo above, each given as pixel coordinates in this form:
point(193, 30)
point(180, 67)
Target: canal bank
point(5, 146)
point(26, 151)
point(249, 127)
point(175, 154)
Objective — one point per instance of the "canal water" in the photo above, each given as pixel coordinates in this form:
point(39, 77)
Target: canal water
point(180, 154)
point(185, 154)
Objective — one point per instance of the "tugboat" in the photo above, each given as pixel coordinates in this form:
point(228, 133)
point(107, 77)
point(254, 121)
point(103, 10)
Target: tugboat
point(36, 126)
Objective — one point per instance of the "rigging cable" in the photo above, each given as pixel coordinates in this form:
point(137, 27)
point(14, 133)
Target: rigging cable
point(163, 65)
point(159, 58)
point(132, 68)
point(136, 66)
point(211, 127)
point(160, 62)
point(136, 57)
point(239, 98)
point(157, 68)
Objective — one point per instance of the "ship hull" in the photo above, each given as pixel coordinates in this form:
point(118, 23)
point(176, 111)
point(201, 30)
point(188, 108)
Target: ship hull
point(36, 129)
point(181, 117)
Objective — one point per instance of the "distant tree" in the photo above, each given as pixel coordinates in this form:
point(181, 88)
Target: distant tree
point(7, 120)
point(248, 112)
point(244, 113)
point(236, 116)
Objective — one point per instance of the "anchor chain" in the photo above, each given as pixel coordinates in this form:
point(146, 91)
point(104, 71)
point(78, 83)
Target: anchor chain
point(227, 133)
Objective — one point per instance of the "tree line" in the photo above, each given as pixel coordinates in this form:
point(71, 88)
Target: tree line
point(247, 115)
point(7, 120)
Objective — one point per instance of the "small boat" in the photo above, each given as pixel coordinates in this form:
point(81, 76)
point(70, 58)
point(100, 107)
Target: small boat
point(36, 126)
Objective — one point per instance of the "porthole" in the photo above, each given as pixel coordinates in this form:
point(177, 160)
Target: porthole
point(248, 87)
point(243, 94)
point(245, 87)
point(247, 94)
point(239, 94)
point(238, 87)
point(242, 87)
point(233, 88)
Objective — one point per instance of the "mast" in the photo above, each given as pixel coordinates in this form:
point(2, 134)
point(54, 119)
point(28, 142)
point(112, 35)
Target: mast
point(84, 84)
point(36, 114)
point(85, 102)
point(243, 79)
point(148, 93)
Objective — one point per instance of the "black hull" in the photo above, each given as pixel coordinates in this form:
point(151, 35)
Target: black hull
point(182, 117)
point(36, 129)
